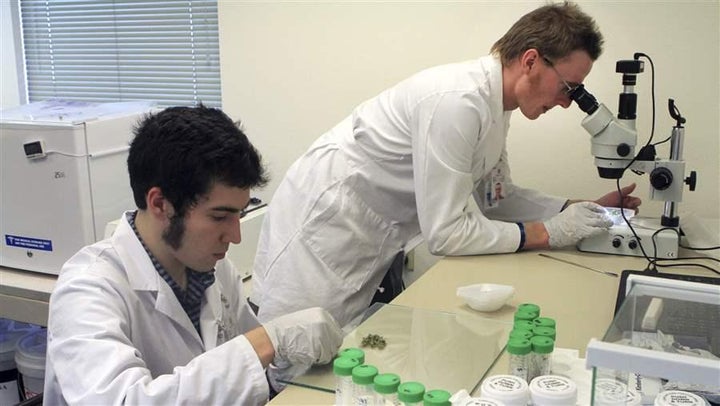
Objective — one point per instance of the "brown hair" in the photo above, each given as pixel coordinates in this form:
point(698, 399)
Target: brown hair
point(555, 30)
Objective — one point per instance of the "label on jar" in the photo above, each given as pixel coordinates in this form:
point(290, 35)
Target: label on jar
point(678, 398)
point(505, 383)
point(553, 390)
point(508, 389)
point(552, 383)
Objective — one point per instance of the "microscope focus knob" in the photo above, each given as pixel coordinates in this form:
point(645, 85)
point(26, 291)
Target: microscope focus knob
point(661, 178)
point(691, 180)
point(616, 242)
point(623, 149)
point(632, 244)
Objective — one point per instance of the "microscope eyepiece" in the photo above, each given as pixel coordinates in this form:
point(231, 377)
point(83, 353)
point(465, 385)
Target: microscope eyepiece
point(584, 99)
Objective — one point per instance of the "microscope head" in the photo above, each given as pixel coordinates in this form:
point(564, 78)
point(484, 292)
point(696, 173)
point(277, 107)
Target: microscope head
point(613, 142)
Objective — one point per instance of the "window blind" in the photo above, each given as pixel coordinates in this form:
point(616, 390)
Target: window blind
point(164, 51)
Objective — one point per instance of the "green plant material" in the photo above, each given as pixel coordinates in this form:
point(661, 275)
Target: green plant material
point(373, 341)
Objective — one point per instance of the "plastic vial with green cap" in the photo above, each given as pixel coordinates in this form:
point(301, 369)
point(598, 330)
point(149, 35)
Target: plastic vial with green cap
point(353, 352)
point(528, 315)
point(342, 368)
point(542, 349)
point(519, 333)
point(544, 331)
point(520, 352)
point(544, 322)
point(362, 377)
point(529, 306)
point(437, 397)
point(523, 325)
point(386, 386)
point(411, 393)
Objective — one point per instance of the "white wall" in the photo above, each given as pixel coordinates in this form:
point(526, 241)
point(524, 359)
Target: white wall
point(290, 71)
point(9, 89)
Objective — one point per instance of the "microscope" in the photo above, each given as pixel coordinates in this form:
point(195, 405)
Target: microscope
point(613, 146)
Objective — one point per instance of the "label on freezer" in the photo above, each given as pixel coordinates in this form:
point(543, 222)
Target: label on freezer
point(28, 242)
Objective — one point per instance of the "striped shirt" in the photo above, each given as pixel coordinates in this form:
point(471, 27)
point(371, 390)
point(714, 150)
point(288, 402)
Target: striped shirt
point(191, 298)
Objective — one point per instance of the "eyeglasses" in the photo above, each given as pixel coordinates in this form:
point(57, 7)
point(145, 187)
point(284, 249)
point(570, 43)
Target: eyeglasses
point(568, 89)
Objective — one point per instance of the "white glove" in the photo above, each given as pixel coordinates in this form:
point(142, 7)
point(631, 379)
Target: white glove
point(577, 221)
point(304, 338)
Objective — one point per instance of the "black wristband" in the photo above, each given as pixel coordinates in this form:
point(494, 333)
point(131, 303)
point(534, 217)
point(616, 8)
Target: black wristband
point(522, 236)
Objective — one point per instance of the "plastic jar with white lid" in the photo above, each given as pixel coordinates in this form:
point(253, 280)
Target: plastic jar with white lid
point(463, 398)
point(10, 333)
point(508, 389)
point(482, 402)
point(609, 392)
point(678, 398)
point(553, 390)
point(30, 359)
point(9, 394)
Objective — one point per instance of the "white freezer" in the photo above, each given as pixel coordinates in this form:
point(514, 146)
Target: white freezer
point(63, 177)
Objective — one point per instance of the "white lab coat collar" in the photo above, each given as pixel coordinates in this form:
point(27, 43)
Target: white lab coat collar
point(492, 67)
point(143, 277)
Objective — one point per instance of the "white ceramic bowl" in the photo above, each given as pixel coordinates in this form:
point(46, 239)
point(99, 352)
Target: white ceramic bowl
point(486, 297)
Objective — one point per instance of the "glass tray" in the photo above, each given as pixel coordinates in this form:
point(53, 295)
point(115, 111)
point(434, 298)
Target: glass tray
point(438, 349)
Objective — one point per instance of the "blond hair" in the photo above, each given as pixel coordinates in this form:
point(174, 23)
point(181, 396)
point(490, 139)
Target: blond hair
point(555, 30)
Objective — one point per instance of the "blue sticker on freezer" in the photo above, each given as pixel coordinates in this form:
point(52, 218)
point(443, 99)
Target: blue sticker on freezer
point(28, 242)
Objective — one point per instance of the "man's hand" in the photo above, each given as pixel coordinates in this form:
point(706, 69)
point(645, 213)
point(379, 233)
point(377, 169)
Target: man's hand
point(304, 338)
point(577, 221)
point(615, 199)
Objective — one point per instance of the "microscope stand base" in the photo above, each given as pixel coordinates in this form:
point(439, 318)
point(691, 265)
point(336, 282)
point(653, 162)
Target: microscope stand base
point(619, 240)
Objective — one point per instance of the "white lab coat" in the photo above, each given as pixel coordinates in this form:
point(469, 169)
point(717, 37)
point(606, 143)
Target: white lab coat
point(117, 334)
point(405, 162)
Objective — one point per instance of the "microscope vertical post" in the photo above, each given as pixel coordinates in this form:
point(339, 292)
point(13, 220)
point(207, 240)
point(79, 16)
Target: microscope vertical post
point(669, 217)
